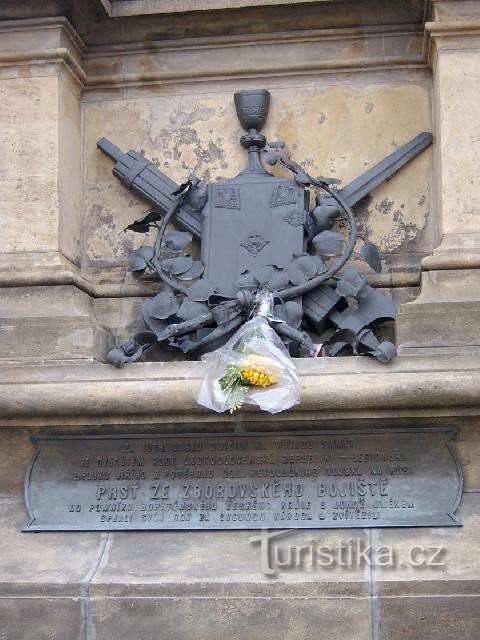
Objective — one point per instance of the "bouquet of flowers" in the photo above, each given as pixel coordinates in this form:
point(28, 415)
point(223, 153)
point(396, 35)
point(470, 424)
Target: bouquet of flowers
point(252, 367)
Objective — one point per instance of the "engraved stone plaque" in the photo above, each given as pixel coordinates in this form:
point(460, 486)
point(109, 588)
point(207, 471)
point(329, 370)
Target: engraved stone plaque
point(328, 479)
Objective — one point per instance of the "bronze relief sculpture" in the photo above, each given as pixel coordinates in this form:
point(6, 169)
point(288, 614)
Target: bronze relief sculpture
point(259, 240)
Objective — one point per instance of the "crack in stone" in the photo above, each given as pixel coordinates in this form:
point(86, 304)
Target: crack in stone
point(86, 582)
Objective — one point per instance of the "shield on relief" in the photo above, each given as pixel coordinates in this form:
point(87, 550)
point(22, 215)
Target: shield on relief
point(248, 223)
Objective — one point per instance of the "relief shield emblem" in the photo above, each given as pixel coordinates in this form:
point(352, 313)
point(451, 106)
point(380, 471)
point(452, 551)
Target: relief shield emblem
point(249, 223)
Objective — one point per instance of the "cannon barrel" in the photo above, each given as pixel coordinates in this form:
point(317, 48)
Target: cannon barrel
point(141, 176)
point(384, 170)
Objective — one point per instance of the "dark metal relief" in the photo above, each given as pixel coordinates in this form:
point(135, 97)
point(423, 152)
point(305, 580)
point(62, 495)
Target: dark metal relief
point(327, 479)
point(257, 232)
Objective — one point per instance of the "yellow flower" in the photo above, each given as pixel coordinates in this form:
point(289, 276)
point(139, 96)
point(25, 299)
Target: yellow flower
point(260, 371)
point(257, 378)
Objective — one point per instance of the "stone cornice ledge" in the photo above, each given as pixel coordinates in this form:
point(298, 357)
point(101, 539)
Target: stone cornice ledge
point(43, 41)
point(453, 28)
point(146, 7)
point(450, 36)
point(151, 393)
point(40, 41)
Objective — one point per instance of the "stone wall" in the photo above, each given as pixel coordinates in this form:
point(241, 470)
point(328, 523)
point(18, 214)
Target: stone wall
point(343, 97)
point(350, 82)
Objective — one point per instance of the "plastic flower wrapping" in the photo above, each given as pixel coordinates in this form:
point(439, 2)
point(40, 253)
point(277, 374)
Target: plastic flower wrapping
point(253, 367)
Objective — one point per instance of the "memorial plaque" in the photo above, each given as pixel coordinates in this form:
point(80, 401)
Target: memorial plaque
point(327, 479)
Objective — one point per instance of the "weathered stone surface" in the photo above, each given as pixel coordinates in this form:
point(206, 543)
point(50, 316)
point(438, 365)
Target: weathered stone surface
point(42, 618)
point(29, 268)
point(202, 135)
point(70, 168)
point(435, 618)
point(46, 323)
point(457, 11)
point(240, 618)
point(29, 163)
point(244, 21)
point(457, 81)
point(123, 314)
point(13, 465)
point(184, 135)
point(455, 251)
point(317, 54)
point(22, 37)
point(456, 570)
point(454, 55)
point(44, 302)
point(445, 314)
point(342, 99)
point(220, 572)
point(410, 386)
point(226, 563)
point(53, 564)
point(140, 7)
point(40, 115)
point(467, 446)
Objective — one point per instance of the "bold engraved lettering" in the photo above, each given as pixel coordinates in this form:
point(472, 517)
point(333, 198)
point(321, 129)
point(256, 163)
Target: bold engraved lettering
point(114, 493)
point(383, 487)
point(352, 488)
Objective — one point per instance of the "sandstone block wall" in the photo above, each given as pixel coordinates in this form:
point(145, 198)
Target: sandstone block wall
point(350, 82)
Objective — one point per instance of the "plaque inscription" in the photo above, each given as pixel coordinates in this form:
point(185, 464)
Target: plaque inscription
point(327, 479)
